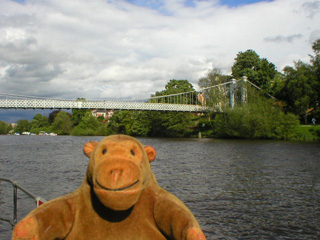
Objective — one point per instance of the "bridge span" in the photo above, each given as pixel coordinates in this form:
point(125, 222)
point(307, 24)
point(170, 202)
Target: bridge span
point(83, 104)
point(223, 94)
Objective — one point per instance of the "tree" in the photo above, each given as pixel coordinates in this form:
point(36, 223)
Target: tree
point(4, 127)
point(87, 126)
point(39, 122)
point(53, 115)
point(134, 123)
point(175, 87)
point(213, 77)
point(315, 60)
point(299, 91)
point(23, 125)
point(260, 119)
point(177, 124)
point(62, 123)
point(258, 71)
point(140, 124)
point(78, 114)
point(156, 124)
point(169, 124)
point(215, 96)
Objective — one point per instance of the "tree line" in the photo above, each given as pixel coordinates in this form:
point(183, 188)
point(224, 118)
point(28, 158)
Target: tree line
point(296, 90)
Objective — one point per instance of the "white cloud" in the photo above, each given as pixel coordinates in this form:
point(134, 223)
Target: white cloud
point(110, 49)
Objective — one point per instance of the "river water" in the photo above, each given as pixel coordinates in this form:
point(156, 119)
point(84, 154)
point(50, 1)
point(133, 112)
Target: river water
point(236, 189)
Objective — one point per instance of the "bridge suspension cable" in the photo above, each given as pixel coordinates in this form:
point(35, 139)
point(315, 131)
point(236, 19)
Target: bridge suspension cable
point(192, 101)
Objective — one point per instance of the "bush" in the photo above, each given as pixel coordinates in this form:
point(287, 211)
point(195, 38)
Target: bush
point(307, 133)
point(259, 119)
point(78, 131)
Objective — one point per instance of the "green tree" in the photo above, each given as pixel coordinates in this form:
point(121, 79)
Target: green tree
point(258, 71)
point(78, 114)
point(23, 125)
point(315, 60)
point(178, 124)
point(39, 123)
point(53, 115)
point(62, 123)
point(213, 77)
point(174, 87)
point(87, 126)
point(300, 92)
point(215, 97)
point(277, 84)
point(134, 123)
point(156, 124)
point(4, 127)
point(173, 124)
point(177, 86)
point(140, 124)
point(259, 119)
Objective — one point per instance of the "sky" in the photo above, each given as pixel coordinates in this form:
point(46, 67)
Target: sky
point(102, 49)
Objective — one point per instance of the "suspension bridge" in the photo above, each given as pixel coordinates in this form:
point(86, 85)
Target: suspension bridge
point(195, 101)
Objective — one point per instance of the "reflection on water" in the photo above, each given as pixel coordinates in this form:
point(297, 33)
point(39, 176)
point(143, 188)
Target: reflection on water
point(236, 189)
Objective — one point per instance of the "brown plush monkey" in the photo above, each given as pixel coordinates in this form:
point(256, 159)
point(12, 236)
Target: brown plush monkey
point(119, 199)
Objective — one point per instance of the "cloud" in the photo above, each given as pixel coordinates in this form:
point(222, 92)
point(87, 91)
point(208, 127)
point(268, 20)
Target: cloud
point(311, 8)
point(282, 38)
point(110, 49)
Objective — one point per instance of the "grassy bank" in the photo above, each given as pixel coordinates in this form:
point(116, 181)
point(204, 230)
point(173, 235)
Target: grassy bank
point(307, 133)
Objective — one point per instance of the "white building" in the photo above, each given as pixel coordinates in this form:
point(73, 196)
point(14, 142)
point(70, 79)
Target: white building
point(106, 113)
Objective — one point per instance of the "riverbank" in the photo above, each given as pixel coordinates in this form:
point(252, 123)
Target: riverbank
point(308, 133)
point(305, 133)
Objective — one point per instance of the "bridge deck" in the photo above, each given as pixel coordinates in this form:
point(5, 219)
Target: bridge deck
point(69, 104)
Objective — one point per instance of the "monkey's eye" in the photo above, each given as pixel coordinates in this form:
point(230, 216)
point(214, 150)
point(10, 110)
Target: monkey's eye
point(132, 152)
point(104, 151)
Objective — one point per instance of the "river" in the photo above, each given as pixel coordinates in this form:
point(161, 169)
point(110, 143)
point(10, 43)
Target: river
point(236, 189)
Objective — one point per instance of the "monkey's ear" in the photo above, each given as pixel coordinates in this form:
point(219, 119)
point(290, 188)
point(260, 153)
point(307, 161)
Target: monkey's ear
point(151, 153)
point(89, 147)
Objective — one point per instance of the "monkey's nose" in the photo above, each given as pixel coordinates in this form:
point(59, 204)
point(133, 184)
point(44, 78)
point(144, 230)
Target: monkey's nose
point(115, 175)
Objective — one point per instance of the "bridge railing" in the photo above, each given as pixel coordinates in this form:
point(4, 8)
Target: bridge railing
point(213, 98)
point(69, 104)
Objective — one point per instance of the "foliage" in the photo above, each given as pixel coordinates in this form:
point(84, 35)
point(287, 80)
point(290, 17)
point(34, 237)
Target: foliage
point(307, 133)
point(204, 124)
point(102, 130)
point(299, 91)
point(315, 60)
point(172, 124)
point(23, 125)
point(213, 77)
point(53, 115)
point(258, 71)
point(134, 123)
point(156, 124)
point(177, 124)
point(175, 87)
point(215, 96)
point(39, 123)
point(62, 124)
point(259, 119)
point(4, 127)
point(78, 114)
point(87, 126)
